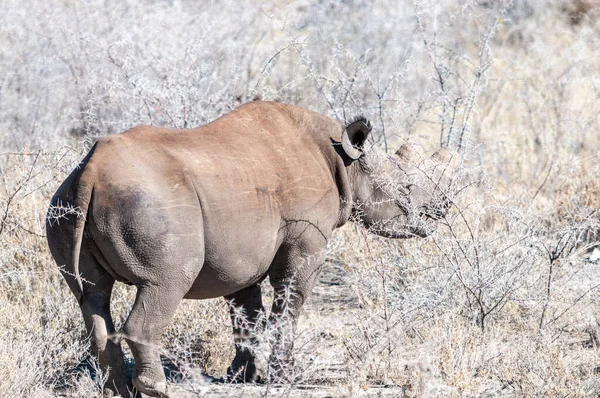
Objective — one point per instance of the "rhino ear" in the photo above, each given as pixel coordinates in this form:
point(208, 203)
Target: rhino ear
point(354, 137)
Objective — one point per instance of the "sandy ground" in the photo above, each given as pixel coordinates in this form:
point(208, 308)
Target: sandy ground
point(297, 392)
point(331, 303)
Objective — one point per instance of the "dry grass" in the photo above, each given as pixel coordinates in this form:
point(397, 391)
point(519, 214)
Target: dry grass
point(501, 301)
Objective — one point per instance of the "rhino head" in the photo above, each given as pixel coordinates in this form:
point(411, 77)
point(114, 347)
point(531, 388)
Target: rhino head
point(396, 196)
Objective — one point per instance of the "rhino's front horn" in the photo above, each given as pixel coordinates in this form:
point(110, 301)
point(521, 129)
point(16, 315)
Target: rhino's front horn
point(407, 153)
point(442, 156)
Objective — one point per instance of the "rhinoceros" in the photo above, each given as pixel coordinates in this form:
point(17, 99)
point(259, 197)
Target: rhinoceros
point(213, 211)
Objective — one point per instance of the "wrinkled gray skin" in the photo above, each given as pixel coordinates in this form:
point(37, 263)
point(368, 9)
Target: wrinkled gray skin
point(212, 212)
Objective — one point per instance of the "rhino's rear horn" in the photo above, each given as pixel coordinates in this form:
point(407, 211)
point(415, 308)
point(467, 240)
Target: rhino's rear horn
point(442, 156)
point(354, 137)
point(407, 153)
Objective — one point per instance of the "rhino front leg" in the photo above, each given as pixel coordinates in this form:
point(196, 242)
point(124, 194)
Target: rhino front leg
point(293, 275)
point(245, 309)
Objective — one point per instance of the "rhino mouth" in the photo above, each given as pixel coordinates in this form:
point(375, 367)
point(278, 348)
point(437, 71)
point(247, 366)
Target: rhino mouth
point(404, 226)
point(435, 210)
point(434, 213)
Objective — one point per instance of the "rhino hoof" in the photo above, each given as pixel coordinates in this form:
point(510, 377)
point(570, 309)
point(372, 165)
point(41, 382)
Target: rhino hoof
point(248, 373)
point(149, 387)
point(126, 391)
point(108, 393)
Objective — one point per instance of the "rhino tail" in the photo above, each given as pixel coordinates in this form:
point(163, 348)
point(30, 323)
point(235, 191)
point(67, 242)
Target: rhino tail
point(83, 197)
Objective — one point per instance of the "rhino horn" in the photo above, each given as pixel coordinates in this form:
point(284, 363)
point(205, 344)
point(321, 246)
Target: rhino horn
point(407, 153)
point(442, 156)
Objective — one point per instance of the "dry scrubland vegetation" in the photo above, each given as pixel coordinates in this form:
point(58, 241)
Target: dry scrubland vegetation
point(501, 301)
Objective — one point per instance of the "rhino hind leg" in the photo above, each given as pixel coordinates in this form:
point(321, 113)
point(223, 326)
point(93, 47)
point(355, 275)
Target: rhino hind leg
point(94, 306)
point(152, 311)
point(96, 314)
point(245, 309)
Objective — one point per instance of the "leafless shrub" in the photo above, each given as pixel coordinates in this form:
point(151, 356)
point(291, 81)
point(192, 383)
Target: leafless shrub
point(502, 298)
